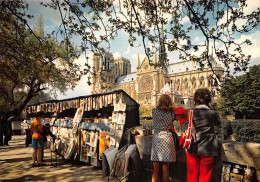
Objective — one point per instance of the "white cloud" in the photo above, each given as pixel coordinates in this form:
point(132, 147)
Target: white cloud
point(80, 90)
point(252, 5)
point(185, 20)
point(254, 49)
point(116, 55)
point(128, 50)
point(196, 39)
point(48, 13)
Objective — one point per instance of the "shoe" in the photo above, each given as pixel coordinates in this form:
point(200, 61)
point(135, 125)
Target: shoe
point(41, 165)
point(34, 165)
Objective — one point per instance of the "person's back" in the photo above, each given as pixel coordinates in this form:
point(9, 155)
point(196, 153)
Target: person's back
point(36, 129)
point(205, 142)
point(201, 154)
point(37, 139)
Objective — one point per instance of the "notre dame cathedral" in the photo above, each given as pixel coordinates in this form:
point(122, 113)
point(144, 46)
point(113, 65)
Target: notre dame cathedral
point(180, 80)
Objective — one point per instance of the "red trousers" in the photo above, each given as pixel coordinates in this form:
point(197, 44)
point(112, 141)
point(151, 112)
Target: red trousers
point(199, 168)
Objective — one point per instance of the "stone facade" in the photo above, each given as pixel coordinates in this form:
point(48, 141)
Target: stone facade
point(180, 80)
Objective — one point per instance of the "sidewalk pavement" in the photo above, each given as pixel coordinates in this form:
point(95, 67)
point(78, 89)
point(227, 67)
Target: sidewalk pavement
point(16, 162)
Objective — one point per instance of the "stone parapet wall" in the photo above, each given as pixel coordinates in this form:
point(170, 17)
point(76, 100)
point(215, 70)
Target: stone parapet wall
point(235, 152)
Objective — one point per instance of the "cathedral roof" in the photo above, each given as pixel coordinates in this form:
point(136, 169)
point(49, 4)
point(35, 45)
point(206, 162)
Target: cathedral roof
point(126, 78)
point(184, 66)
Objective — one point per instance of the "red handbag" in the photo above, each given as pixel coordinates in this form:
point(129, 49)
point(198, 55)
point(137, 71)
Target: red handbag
point(186, 139)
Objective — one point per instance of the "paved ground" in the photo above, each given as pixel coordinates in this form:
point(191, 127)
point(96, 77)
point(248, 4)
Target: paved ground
point(16, 160)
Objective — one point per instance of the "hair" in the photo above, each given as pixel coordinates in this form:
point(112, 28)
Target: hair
point(165, 103)
point(202, 96)
point(48, 125)
point(38, 114)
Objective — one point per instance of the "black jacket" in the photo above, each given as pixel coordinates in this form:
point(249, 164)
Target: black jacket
point(205, 141)
point(46, 132)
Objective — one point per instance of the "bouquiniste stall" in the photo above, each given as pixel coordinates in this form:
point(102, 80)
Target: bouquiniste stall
point(86, 126)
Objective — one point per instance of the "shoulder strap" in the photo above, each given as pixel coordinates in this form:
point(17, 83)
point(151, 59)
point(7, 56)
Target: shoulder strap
point(190, 123)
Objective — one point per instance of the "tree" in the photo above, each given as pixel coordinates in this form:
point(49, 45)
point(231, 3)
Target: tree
point(218, 22)
point(158, 23)
point(240, 96)
point(31, 63)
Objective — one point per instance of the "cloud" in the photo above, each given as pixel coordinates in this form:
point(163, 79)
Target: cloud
point(82, 59)
point(196, 39)
point(48, 13)
point(80, 90)
point(128, 50)
point(252, 5)
point(185, 20)
point(116, 55)
point(254, 49)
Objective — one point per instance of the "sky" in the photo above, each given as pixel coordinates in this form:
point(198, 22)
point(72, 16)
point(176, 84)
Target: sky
point(120, 46)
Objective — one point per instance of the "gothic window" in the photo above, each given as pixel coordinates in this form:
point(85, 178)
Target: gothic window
point(178, 85)
point(145, 84)
point(105, 63)
point(97, 60)
point(202, 82)
point(210, 81)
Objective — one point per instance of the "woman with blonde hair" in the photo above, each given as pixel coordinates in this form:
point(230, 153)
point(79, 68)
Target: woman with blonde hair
point(163, 148)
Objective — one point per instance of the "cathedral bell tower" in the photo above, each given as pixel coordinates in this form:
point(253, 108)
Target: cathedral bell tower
point(103, 72)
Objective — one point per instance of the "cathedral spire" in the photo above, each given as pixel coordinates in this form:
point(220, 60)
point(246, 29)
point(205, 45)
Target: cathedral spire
point(155, 57)
point(138, 62)
point(163, 61)
point(162, 53)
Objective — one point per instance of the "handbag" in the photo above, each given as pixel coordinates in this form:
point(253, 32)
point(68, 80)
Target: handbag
point(186, 139)
point(175, 138)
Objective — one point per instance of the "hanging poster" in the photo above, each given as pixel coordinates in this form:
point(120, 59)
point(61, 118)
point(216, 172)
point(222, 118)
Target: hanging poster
point(117, 142)
point(104, 140)
point(79, 114)
point(114, 117)
point(112, 141)
point(93, 143)
point(52, 121)
point(249, 175)
point(83, 137)
point(225, 172)
point(121, 118)
point(232, 172)
point(112, 129)
point(84, 153)
point(119, 130)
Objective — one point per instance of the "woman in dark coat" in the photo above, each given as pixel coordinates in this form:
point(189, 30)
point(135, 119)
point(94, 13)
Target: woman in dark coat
point(205, 146)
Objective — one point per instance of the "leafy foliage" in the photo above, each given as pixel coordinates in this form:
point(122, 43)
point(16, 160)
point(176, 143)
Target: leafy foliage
point(241, 95)
point(30, 62)
point(242, 130)
point(146, 111)
point(224, 130)
point(246, 130)
point(161, 23)
point(98, 22)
